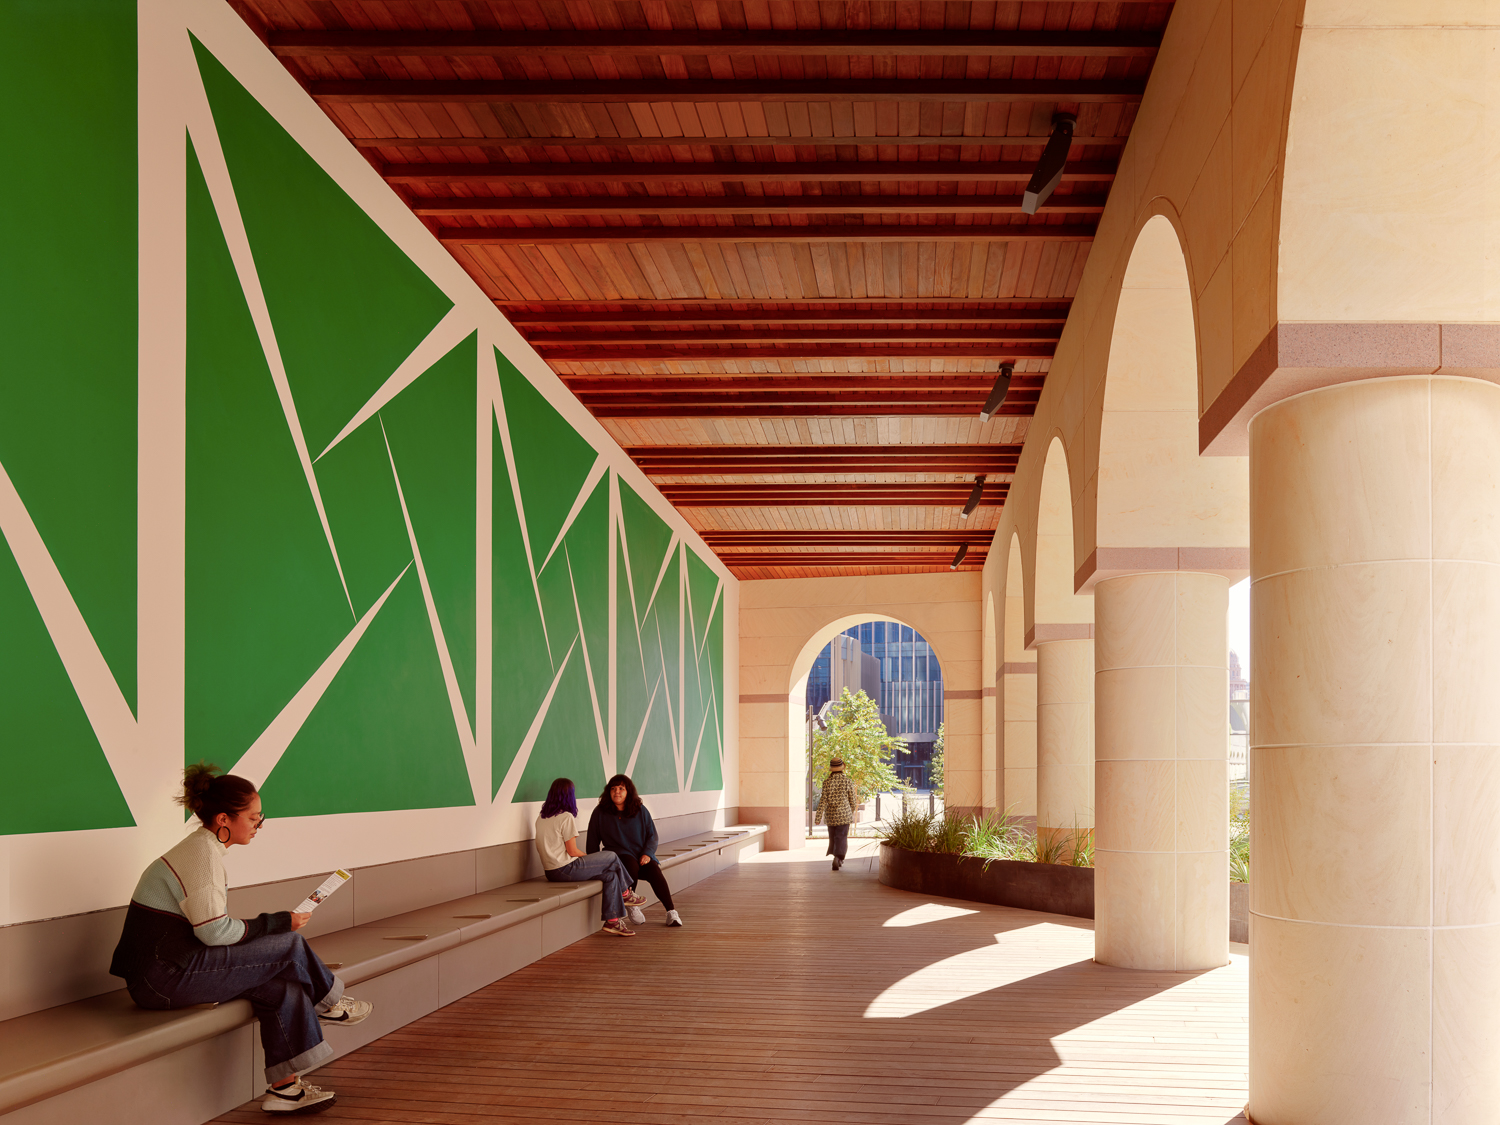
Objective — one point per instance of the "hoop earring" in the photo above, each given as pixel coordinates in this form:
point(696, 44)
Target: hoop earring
point(221, 838)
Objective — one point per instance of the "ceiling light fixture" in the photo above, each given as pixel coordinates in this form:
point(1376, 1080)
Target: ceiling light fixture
point(958, 558)
point(974, 497)
point(997, 392)
point(1049, 169)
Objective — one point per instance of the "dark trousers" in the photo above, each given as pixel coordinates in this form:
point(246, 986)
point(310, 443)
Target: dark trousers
point(283, 979)
point(653, 874)
point(838, 840)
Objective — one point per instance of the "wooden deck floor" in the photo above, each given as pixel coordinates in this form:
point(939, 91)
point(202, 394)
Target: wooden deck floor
point(794, 994)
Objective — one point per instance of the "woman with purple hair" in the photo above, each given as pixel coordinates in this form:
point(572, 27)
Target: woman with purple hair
point(557, 844)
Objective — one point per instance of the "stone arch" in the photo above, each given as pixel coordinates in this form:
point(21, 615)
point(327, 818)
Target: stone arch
point(1158, 504)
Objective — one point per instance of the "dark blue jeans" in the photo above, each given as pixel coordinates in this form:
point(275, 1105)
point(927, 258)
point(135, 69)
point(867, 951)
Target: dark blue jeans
point(279, 974)
point(607, 868)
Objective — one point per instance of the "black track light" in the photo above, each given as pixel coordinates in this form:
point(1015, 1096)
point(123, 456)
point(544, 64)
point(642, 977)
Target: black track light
point(974, 497)
point(958, 558)
point(997, 392)
point(1049, 170)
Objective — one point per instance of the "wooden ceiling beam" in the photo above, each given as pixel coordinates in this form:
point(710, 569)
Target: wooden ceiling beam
point(590, 314)
point(807, 171)
point(1126, 91)
point(973, 560)
point(846, 232)
point(956, 458)
point(799, 336)
point(955, 403)
point(836, 409)
point(701, 386)
point(742, 43)
point(823, 495)
point(792, 351)
point(718, 142)
point(1078, 203)
point(883, 537)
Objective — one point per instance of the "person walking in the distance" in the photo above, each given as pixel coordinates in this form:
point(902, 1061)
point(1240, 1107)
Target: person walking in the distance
point(623, 825)
point(557, 844)
point(838, 805)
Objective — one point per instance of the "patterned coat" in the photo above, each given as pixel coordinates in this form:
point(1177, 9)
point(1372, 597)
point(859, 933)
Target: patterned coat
point(838, 802)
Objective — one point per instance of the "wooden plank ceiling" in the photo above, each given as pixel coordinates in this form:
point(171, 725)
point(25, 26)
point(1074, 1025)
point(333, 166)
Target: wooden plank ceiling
point(777, 247)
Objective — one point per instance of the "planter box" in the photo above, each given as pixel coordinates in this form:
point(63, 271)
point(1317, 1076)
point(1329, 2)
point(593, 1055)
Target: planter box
point(1050, 887)
point(1239, 912)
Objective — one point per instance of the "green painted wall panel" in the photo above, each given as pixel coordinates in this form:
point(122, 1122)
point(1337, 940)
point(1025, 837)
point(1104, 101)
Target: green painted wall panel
point(521, 668)
point(431, 428)
point(364, 513)
point(552, 458)
point(382, 736)
point(710, 772)
point(632, 690)
point(703, 584)
point(55, 775)
point(567, 745)
point(264, 606)
point(347, 304)
point(68, 393)
point(648, 537)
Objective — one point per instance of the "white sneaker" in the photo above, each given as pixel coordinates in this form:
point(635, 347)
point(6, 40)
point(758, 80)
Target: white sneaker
point(637, 916)
point(673, 919)
point(299, 1097)
point(347, 1012)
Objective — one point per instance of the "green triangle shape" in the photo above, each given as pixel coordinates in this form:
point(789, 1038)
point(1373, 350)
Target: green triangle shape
point(430, 426)
point(647, 538)
point(703, 584)
point(364, 513)
point(632, 691)
point(567, 744)
point(521, 670)
point(709, 773)
point(656, 768)
point(347, 303)
point(69, 302)
point(263, 602)
point(584, 554)
point(54, 776)
point(552, 458)
point(382, 736)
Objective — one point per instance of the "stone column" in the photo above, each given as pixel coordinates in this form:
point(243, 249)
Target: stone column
point(1017, 707)
point(1064, 740)
point(1161, 878)
point(1375, 765)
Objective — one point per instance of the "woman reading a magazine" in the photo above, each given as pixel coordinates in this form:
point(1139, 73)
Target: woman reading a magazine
point(180, 947)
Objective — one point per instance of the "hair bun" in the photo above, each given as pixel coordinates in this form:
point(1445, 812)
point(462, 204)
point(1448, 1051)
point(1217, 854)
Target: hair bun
point(197, 780)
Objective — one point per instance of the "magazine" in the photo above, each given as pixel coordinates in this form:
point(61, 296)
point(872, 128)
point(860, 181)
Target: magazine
point(325, 888)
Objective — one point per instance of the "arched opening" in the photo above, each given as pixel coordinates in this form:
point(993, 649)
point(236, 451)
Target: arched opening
point(1017, 702)
point(897, 667)
point(1062, 633)
point(1170, 534)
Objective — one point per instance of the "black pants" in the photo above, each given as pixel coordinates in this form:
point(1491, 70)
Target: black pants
point(838, 840)
point(652, 873)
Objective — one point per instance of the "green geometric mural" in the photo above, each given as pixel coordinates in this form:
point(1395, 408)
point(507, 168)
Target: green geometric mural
point(68, 301)
point(337, 567)
point(264, 603)
point(56, 775)
point(430, 426)
point(382, 736)
point(656, 765)
point(552, 458)
point(522, 667)
point(710, 772)
point(347, 303)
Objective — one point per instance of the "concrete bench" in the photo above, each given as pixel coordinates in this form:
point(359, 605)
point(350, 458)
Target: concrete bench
point(105, 1059)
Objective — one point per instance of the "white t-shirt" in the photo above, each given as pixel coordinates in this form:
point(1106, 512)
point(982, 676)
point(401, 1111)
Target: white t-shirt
point(552, 832)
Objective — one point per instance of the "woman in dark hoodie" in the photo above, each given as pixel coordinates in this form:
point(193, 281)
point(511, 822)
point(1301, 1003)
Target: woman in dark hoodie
point(622, 824)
